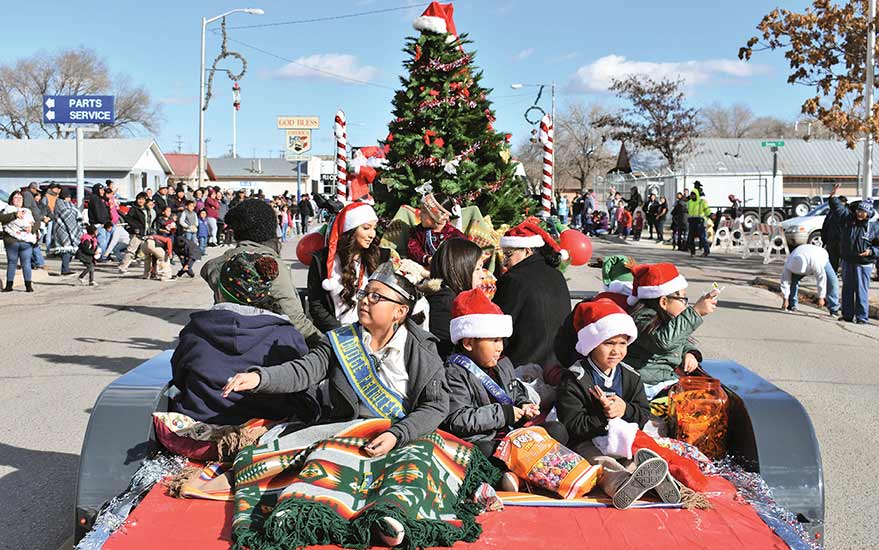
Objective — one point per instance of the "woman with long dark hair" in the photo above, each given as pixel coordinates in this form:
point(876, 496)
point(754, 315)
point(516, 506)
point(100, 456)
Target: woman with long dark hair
point(339, 271)
point(456, 267)
point(19, 240)
point(534, 292)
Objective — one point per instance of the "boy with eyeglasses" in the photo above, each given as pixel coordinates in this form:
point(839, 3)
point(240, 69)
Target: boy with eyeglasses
point(666, 323)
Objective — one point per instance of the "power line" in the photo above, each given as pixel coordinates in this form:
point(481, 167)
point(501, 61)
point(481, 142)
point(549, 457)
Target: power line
point(331, 17)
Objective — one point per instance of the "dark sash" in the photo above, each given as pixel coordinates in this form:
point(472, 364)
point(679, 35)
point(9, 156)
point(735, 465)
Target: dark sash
point(359, 369)
point(490, 385)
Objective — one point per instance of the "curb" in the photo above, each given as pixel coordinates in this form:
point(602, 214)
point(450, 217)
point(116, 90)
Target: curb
point(806, 294)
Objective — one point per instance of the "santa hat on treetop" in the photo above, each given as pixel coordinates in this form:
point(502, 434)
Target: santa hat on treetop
point(353, 215)
point(599, 320)
point(530, 235)
point(655, 281)
point(437, 18)
point(475, 316)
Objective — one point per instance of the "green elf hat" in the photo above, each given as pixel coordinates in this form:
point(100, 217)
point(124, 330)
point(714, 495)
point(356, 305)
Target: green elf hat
point(246, 278)
point(616, 274)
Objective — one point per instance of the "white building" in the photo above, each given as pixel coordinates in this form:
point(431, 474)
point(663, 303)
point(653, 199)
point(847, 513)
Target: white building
point(134, 164)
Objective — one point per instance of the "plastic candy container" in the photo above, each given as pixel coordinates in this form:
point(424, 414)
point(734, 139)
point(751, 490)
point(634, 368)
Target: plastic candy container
point(699, 414)
point(532, 454)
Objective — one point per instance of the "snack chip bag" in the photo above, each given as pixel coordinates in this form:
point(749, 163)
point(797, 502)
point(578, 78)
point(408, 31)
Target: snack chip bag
point(532, 454)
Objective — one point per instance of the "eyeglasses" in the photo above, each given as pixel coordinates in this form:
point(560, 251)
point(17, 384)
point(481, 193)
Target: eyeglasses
point(683, 299)
point(374, 297)
point(508, 252)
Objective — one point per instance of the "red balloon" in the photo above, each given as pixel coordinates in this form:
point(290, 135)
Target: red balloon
point(308, 245)
point(578, 245)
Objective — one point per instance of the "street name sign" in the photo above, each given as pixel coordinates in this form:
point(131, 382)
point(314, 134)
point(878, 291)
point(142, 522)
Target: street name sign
point(79, 109)
point(298, 123)
point(772, 144)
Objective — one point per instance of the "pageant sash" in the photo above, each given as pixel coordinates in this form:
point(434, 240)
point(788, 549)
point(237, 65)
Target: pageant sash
point(359, 369)
point(490, 385)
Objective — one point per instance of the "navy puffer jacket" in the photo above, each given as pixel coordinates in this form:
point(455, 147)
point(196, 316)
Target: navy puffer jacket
point(855, 236)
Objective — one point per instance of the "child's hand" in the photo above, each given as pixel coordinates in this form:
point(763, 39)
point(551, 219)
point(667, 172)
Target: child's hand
point(530, 410)
point(690, 363)
point(243, 381)
point(518, 414)
point(616, 407)
point(706, 304)
point(381, 445)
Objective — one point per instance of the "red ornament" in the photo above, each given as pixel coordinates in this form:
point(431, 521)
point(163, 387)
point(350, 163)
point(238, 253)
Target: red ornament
point(417, 52)
point(433, 93)
point(508, 137)
point(578, 245)
point(427, 135)
point(390, 138)
point(307, 246)
point(490, 127)
point(439, 142)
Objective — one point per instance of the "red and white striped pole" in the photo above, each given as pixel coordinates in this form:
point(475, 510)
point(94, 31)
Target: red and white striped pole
point(545, 137)
point(341, 132)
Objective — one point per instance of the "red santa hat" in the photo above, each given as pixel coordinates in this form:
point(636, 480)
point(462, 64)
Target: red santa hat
point(599, 320)
point(530, 235)
point(615, 297)
point(353, 215)
point(655, 281)
point(437, 18)
point(475, 316)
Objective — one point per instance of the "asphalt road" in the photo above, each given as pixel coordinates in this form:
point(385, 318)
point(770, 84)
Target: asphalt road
point(64, 343)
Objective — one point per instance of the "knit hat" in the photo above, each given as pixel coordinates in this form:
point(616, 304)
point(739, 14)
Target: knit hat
point(599, 320)
point(253, 220)
point(616, 274)
point(530, 235)
point(475, 316)
point(351, 217)
point(246, 278)
point(865, 205)
point(655, 281)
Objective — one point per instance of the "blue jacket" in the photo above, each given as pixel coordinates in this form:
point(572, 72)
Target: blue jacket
point(223, 341)
point(203, 229)
point(855, 236)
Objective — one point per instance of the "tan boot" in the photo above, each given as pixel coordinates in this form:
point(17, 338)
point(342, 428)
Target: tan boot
point(625, 488)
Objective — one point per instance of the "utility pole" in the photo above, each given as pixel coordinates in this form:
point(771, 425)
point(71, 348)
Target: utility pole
point(868, 95)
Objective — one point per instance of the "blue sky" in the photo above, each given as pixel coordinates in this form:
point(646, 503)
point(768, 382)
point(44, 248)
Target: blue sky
point(579, 44)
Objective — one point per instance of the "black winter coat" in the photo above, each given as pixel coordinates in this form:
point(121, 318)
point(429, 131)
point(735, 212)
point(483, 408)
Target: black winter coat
point(537, 297)
point(855, 236)
point(583, 415)
point(321, 308)
point(99, 210)
point(441, 320)
point(473, 414)
point(136, 219)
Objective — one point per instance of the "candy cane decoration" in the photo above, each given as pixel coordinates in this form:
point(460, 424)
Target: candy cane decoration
point(546, 131)
point(341, 162)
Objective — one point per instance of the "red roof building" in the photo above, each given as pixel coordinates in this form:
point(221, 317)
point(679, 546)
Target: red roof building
point(184, 166)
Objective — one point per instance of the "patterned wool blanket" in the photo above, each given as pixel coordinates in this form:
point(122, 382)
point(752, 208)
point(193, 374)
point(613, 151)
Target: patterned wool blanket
point(333, 493)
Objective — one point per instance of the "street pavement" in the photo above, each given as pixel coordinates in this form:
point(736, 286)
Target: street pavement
point(62, 344)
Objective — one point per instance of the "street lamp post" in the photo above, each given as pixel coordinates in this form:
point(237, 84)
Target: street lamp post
point(518, 86)
point(868, 94)
point(204, 23)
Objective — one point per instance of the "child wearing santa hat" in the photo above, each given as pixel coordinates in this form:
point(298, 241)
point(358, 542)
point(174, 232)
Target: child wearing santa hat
point(437, 210)
point(600, 390)
point(340, 270)
point(666, 324)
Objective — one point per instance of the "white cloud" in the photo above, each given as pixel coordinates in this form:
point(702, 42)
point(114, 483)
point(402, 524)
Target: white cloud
point(327, 65)
point(523, 54)
point(597, 76)
point(177, 100)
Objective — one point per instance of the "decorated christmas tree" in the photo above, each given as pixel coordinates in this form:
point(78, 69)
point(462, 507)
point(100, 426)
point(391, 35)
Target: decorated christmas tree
point(443, 130)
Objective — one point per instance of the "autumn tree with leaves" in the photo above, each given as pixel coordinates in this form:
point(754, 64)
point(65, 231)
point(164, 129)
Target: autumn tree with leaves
point(73, 72)
point(826, 47)
point(657, 117)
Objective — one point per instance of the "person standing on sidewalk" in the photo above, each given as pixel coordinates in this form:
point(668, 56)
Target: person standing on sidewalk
point(306, 212)
point(19, 239)
point(651, 209)
point(858, 250)
point(831, 234)
point(808, 260)
point(660, 219)
point(66, 231)
point(697, 213)
point(212, 207)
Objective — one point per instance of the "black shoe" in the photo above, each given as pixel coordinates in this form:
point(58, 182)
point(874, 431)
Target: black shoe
point(66, 273)
point(8, 287)
point(191, 273)
point(180, 273)
point(705, 254)
point(28, 286)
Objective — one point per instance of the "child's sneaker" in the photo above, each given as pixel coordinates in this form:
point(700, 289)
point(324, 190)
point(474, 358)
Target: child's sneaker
point(669, 490)
point(509, 482)
point(82, 281)
point(93, 283)
point(645, 477)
